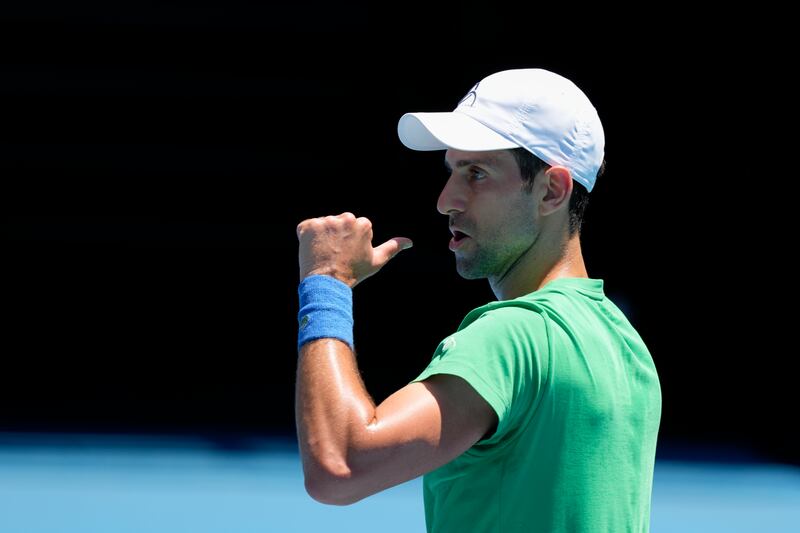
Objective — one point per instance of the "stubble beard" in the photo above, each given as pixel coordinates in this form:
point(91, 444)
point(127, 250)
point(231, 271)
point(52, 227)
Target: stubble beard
point(481, 262)
point(475, 265)
point(492, 261)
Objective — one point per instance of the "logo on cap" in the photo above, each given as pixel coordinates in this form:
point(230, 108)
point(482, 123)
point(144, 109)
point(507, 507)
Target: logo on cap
point(471, 94)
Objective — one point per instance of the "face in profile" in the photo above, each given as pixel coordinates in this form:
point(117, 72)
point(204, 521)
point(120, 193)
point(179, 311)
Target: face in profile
point(492, 217)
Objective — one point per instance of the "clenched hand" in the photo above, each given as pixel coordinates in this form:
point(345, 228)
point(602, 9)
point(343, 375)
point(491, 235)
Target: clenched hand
point(341, 246)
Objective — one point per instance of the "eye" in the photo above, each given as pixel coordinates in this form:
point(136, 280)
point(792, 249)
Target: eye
point(476, 174)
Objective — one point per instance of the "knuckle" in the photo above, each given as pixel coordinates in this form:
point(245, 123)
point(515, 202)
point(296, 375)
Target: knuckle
point(311, 224)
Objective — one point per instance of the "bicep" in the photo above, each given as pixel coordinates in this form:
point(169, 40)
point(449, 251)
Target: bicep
point(418, 429)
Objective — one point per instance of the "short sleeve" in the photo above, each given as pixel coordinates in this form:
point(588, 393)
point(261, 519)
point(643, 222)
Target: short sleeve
point(503, 356)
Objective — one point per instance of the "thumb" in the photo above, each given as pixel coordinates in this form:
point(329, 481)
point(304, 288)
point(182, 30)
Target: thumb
point(381, 254)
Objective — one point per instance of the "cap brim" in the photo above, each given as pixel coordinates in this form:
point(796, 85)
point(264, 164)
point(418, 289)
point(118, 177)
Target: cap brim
point(440, 131)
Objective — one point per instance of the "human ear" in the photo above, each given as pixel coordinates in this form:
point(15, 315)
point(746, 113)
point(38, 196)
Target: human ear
point(558, 183)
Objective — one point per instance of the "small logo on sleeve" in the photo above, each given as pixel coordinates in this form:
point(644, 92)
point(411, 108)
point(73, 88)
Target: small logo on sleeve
point(450, 342)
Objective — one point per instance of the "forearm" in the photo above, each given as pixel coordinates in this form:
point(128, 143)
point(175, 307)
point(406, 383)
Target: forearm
point(331, 407)
point(336, 418)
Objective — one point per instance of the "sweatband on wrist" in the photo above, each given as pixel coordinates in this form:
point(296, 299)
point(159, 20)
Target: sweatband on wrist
point(326, 310)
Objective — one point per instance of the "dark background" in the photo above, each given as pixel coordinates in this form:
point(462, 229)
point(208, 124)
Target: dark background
point(155, 159)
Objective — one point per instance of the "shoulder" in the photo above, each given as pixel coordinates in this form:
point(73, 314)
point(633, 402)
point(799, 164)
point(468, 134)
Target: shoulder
point(500, 330)
point(513, 314)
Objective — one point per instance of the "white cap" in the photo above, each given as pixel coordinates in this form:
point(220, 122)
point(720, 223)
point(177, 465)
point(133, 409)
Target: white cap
point(535, 109)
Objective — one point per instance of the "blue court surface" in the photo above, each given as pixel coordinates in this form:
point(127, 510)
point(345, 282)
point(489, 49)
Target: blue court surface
point(116, 484)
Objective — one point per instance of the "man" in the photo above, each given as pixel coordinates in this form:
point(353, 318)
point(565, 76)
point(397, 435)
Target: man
point(541, 412)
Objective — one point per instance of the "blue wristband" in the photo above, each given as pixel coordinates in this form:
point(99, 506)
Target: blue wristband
point(326, 310)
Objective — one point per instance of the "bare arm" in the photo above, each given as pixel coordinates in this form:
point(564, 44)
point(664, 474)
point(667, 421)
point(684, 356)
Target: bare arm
point(350, 447)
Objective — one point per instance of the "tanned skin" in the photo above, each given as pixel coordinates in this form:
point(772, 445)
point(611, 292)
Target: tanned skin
point(518, 240)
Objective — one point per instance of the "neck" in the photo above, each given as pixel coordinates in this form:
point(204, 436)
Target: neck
point(540, 264)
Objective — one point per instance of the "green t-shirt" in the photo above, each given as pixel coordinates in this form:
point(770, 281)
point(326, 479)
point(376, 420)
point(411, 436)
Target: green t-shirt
point(578, 404)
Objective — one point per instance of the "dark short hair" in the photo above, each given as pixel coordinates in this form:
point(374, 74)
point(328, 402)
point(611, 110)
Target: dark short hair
point(530, 166)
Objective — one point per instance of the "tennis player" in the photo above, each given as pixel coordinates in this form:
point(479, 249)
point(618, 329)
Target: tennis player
point(541, 412)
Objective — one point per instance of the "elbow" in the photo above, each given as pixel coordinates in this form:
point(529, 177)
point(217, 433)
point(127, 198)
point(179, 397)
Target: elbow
point(329, 491)
point(331, 483)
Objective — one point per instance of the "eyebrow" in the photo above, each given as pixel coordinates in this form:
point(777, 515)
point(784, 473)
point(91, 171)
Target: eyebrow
point(488, 161)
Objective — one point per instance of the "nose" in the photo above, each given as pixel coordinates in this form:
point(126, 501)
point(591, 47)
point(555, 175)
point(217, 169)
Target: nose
point(452, 198)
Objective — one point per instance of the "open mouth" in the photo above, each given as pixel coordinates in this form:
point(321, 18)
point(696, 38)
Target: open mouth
point(458, 239)
point(459, 235)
